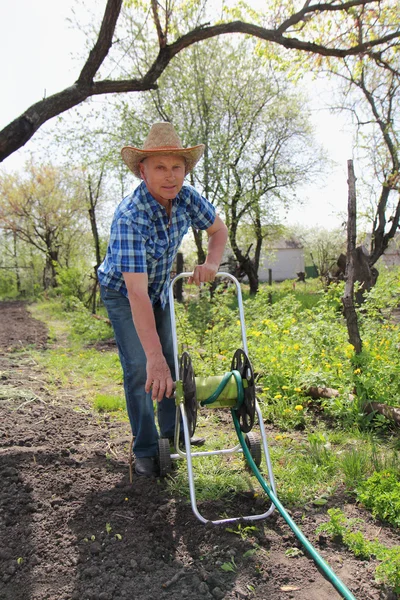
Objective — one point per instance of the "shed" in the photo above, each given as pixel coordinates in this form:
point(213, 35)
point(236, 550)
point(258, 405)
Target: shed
point(285, 258)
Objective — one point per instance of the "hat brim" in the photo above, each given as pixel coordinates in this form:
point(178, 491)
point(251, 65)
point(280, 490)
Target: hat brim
point(132, 156)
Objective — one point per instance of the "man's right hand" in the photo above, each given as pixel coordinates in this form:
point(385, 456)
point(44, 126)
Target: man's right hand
point(159, 379)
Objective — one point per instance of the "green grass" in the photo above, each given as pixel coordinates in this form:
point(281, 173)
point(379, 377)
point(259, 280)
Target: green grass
point(109, 404)
point(293, 343)
point(69, 361)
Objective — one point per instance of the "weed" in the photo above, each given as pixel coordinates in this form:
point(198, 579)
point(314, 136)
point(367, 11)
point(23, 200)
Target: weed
point(242, 530)
point(229, 567)
point(341, 529)
point(380, 493)
point(355, 464)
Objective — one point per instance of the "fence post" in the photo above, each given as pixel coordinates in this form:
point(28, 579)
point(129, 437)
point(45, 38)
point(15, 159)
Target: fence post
point(179, 283)
point(270, 283)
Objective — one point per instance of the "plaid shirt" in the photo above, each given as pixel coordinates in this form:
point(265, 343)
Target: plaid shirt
point(144, 240)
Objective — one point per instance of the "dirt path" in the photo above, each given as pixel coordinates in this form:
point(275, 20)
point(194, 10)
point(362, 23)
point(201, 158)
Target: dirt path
point(73, 528)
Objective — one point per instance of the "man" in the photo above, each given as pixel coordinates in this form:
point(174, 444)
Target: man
point(147, 229)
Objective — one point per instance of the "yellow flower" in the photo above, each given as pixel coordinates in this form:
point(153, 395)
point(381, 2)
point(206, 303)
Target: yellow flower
point(357, 371)
point(286, 331)
point(297, 389)
point(279, 437)
point(298, 407)
point(278, 396)
point(265, 389)
point(285, 387)
point(287, 411)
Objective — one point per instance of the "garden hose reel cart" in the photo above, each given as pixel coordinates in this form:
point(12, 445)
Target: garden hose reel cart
point(234, 390)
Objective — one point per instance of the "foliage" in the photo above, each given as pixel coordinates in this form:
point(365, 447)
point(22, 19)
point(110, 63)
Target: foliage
point(84, 324)
point(72, 283)
point(256, 130)
point(43, 209)
point(380, 493)
point(293, 348)
point(321, 247)
point(341, 529)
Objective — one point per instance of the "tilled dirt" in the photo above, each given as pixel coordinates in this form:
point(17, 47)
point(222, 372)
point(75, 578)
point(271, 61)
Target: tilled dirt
point(73, 527)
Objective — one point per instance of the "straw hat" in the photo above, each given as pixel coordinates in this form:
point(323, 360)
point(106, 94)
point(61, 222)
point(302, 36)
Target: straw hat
point(162, 139)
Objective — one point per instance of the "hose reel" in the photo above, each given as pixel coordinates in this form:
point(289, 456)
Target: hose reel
point(235, 389)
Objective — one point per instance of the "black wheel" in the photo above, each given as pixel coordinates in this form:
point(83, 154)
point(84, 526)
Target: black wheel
point(246, 412)
point(186, 375)
point(253, 442)
point(164, 457)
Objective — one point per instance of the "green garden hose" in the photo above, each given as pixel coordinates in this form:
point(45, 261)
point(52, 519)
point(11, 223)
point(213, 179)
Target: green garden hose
point(330, 575)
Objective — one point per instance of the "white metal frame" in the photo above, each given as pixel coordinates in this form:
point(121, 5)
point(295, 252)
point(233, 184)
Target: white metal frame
point(180, 410)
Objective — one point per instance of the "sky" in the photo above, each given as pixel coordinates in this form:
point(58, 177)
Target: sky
point(39, 48)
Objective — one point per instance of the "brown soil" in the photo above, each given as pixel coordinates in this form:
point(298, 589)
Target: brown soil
point(72, 527)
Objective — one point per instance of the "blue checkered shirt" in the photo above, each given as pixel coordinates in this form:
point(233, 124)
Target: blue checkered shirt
point(144, 240)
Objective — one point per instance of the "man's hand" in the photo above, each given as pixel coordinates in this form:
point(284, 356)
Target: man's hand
point(159, 379)
point(217, 236)
point(203, 273)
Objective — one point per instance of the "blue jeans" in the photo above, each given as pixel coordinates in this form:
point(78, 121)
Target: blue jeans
point(133, 361)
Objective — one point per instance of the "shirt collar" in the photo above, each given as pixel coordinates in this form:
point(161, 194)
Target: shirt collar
point(154, 206)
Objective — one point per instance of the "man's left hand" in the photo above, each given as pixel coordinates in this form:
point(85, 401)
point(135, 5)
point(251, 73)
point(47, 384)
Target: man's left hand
point(203, 273)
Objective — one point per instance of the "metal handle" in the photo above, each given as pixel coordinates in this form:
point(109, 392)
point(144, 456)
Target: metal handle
point(173, 320)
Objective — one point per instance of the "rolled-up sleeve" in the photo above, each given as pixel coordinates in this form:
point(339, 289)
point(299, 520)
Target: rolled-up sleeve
point(127, 248)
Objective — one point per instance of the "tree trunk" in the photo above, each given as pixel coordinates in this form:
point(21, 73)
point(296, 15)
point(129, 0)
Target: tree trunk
point(198, 238)
point(348, 298)
point(390, 412)
point(18, 279)
point(93, 199)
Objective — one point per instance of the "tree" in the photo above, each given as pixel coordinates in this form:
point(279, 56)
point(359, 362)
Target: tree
point(320, 29)
point(44, 210)
point(258, 143)
point(370, 91)
point(322, 247)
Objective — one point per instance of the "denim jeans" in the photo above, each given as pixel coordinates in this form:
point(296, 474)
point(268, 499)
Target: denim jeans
point(133, 361)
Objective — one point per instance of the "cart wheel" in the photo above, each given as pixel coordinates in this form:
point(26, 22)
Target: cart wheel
point(253, 443)
point(164, 457)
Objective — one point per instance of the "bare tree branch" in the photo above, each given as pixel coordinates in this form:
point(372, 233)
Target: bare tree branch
point(304, 13)
point(103, 43)
point(162, 40)
point(19, 131)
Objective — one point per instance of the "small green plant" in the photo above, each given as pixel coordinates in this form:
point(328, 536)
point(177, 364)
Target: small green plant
point(108, 528)
point(355, 463)
point(242, 530)
point(380, 493)
point(229, 567)
point(388, 571)
point(319, 449)
point(336, 526)
point(293, 552)
point(250, 552)
point(341, 529)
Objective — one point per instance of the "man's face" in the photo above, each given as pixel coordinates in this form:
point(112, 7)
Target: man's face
point(163, 176)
